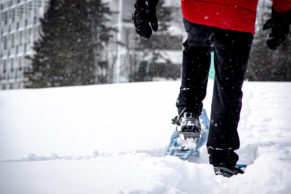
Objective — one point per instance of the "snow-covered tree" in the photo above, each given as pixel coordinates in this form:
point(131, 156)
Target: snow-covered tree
point(72, 37)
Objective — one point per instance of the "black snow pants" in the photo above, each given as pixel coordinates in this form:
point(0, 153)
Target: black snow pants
point(231, 53)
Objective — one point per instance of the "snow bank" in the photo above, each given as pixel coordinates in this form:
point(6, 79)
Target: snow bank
point(112, 139)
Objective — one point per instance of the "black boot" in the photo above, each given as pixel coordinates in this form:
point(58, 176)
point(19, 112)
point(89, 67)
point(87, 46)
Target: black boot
point(224, 161)
point(188, 125)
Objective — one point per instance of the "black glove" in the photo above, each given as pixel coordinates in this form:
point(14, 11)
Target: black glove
point(279, 24)
point(144, 16)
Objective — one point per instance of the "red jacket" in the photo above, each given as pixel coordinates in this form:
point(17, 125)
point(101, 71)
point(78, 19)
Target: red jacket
point(238, 15)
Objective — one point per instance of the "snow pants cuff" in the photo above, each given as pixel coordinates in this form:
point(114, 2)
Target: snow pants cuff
point(223, 158)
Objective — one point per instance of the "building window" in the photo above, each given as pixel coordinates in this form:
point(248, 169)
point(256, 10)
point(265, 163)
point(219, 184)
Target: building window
point(25, 36)
point(35, 20)
point(5, 43)
point(12, 40)
point(20, 63)
point(30, 34)
point(12, 65)
point(30, 6)
point(20, 38)
point(5, 15)
point(4, 66)
point(21, 8)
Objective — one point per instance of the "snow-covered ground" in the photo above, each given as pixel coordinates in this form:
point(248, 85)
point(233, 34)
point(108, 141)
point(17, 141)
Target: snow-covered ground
point(112, 139)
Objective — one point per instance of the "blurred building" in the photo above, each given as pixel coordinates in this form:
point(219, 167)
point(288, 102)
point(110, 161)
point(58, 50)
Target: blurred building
point(19, 28)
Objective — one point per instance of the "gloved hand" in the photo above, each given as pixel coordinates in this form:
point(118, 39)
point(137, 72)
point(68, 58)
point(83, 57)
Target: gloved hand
point(279, 25)
point(144, 17)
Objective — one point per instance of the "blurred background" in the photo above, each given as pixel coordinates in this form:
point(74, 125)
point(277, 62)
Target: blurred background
point(53, 43)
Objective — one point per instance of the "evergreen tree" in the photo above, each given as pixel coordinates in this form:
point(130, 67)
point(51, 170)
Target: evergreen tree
point(72, 37)
point(265, 64)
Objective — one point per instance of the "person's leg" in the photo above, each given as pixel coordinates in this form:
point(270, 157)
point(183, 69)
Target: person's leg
point(195, 68)
point(231, 56)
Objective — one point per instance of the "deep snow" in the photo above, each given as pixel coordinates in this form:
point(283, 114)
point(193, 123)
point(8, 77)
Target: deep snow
point(112, 139)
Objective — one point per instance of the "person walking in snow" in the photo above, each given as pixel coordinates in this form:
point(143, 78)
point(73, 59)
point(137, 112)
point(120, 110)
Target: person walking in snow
point(225, 27)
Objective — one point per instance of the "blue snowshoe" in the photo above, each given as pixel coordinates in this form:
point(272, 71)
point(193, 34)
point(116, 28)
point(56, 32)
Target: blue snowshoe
point(190, 135)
